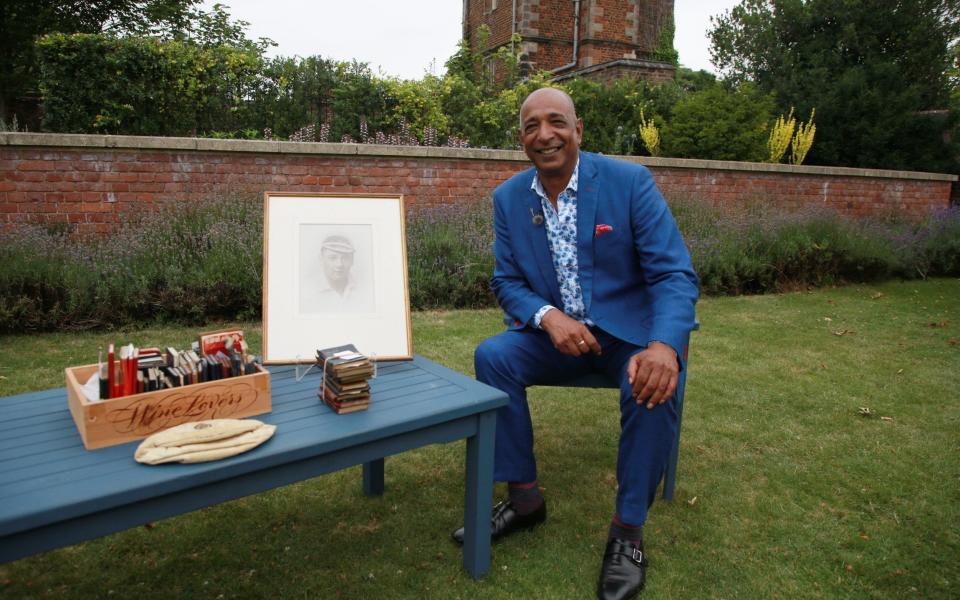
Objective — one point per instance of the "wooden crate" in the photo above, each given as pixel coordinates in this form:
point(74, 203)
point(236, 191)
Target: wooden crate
point(119, 420)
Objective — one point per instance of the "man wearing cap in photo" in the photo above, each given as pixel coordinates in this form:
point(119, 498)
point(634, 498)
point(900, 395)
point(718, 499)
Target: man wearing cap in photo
point(336, 254)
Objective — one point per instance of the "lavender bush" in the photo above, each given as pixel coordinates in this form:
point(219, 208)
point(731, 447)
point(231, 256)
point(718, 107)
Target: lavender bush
point(174, 263)
point(450, 255)
point(203, 262)
point(934, 248)
point(757, 248)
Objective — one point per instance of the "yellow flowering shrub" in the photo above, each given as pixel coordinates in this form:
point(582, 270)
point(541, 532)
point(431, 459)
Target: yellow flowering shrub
point(803, 140)
point(650, 135)
point(780, 137)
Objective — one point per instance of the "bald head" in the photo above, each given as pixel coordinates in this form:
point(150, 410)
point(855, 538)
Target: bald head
point(554, 96)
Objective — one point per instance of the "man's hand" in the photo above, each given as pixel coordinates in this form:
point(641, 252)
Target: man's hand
point(653, 374)
point(568, 335)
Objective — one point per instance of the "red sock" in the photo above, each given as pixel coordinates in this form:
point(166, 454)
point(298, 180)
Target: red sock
point(525, 496)
point(625, 531)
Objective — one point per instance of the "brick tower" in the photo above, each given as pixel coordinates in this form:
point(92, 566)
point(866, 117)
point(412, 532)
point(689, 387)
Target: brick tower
point(596, 39)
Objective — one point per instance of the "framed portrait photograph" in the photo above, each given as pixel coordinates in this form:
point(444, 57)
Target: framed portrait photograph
point(334, 273)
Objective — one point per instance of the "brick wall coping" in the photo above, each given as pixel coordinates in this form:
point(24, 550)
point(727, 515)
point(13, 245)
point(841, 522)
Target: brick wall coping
point(120, 142)
point(630, 63)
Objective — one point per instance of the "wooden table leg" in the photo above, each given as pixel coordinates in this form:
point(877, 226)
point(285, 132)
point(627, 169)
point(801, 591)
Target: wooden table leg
point(478, 501)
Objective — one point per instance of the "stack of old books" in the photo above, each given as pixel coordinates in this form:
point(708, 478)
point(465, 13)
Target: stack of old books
point(345, 386)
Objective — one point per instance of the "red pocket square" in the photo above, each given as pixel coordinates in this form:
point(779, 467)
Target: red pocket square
point(602, 229)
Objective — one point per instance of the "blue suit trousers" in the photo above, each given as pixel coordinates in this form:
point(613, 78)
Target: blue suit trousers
point(518, 358)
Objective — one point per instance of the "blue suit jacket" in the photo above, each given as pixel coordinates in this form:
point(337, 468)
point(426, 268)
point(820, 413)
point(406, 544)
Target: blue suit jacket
point(636, 275)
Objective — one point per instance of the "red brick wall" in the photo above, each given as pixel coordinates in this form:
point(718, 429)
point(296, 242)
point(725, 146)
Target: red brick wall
point(609, 30)
point(498, 20)
point(616, 29)
point(856, 196)
point(88, 181)
point(548, 24)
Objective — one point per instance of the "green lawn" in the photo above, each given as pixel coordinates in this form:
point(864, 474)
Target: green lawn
point(785, 489)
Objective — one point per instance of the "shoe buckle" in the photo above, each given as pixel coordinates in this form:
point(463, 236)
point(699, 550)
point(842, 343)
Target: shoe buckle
point(637, 555)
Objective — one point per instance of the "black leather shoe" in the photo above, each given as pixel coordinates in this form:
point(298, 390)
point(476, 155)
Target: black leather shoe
point(506, 520)
point(624, 571)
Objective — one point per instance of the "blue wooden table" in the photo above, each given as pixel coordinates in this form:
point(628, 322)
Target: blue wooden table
point(54, 493)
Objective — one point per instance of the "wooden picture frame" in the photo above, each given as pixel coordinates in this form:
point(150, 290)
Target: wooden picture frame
point(334, 272)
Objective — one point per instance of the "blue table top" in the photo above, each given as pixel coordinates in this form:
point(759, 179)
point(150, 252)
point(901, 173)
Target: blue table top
point(47, 476)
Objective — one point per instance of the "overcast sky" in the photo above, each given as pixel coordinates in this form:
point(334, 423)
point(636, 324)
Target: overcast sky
point(408, 39)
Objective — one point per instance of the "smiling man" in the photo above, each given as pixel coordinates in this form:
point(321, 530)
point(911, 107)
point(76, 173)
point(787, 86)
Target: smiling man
point(593, 276)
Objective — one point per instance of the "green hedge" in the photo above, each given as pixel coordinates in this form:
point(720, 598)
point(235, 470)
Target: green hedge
point(143, 86)
point(720, 124)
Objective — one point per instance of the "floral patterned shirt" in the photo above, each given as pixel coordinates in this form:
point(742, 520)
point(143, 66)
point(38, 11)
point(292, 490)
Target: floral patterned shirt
point(561, 227)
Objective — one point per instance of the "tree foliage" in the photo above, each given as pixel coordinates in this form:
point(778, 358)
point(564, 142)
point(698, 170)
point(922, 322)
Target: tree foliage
point(720, 124)
point(873, 69)
point(23, 22)
point(358, 95)
point(293, 92)
point(141, 85)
